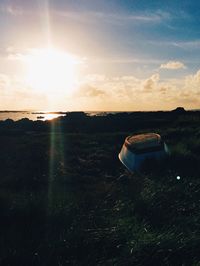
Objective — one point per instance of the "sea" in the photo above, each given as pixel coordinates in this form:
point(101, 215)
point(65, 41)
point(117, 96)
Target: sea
point(38, 115)
point(44, 115)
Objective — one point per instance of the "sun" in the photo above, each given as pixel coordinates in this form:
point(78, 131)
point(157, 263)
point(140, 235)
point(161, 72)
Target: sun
point(51, 71)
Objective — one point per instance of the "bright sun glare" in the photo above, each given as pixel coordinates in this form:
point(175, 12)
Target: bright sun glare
point(50, 70)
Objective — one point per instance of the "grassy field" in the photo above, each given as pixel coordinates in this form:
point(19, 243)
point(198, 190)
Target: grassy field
point(65, 199)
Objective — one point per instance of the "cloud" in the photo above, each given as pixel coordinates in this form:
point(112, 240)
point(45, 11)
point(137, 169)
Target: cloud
point(173, 65)
point(15, 94)
point(193, 44)
point(4, 81)
point(185, 45)
point(132, 93)
point(90, 91)
point(100, 92)
point(135, 17)
point(95, 78)
point(17, 56)
point(11, 10)
point(193, 81)
point(151, 83)
point(114, 18)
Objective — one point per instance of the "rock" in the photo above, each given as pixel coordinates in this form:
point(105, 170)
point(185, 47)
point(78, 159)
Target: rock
point(179, 110)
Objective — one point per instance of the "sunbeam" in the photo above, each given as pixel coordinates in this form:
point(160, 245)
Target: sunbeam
point(45, 21)
point(57, 162)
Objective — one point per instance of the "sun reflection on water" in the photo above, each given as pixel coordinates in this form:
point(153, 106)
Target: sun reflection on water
point(44, 117)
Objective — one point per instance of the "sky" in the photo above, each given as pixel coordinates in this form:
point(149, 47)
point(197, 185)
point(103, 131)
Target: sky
point(99, 55)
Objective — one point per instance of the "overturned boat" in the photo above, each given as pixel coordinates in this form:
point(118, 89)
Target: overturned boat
point(137, 148)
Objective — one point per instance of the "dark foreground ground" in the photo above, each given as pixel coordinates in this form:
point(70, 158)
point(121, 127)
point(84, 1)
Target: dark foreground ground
point(65, 199)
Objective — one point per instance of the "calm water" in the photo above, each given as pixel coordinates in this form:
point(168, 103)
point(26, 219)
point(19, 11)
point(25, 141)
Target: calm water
point(36, 115)
point(30, 115)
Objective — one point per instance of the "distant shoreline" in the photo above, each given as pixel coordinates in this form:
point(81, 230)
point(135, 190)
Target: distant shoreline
point(49, 115)
point(82, 122)
point(88, 111)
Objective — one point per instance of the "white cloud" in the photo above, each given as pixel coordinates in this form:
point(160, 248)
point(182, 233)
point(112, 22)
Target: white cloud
point(114, 18)
point(99, 92)
point(151, 83)
point(17, 56)
point(4, 81)
point(95, 78)
point(194, 44)
point(173, 65)
point(90, 91)
point(15, 94)
point(185, 45)
point(12, 10)
point(193, 81)
point(131, 93)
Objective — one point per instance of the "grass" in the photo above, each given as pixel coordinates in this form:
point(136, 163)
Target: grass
point(65, 199)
